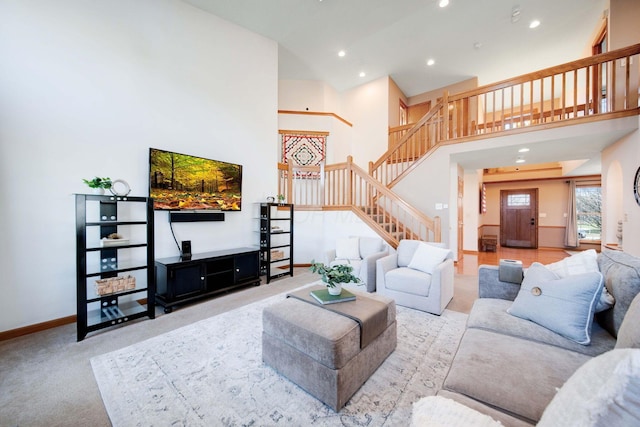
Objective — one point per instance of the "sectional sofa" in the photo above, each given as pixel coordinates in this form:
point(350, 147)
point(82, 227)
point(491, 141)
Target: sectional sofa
point(511, 368)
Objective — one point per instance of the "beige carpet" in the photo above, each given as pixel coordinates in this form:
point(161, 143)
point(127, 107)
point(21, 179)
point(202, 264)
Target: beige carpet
point(46, 377)
point(211, 373)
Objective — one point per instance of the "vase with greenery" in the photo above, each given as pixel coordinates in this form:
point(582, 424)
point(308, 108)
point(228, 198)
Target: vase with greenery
point(98, 184)
point(334, 276)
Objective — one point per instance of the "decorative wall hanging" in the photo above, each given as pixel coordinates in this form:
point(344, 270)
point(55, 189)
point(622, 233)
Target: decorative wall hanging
point(304, 148)
point(483, 199)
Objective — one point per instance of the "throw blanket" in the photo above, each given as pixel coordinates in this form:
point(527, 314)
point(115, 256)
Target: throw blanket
point(370, 314)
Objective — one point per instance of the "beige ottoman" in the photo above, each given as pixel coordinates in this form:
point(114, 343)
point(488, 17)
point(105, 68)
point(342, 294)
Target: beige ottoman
point(320, 351)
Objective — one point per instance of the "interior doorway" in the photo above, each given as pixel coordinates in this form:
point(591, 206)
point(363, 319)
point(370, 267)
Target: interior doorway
point(519, 218)
point(417, 111)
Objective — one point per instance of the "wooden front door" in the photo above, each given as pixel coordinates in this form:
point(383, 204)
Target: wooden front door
point(519, 218)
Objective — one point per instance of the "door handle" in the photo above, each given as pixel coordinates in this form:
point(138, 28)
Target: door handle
point(533, 221)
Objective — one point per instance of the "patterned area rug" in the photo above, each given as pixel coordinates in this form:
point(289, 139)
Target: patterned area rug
point(210, 373)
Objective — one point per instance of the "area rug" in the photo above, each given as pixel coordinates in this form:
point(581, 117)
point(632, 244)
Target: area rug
point(210, 373)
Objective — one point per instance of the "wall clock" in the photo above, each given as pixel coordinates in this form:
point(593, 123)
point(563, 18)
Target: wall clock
point(636, 186)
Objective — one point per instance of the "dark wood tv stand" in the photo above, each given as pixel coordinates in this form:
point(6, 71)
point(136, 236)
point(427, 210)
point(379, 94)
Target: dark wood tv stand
point(181, 280)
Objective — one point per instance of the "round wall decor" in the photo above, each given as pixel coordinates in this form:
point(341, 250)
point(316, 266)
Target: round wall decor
point(120, 187)
point(636, 186)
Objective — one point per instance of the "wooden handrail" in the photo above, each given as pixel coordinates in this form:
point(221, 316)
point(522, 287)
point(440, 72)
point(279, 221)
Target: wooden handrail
point(556, 69)
point(350, 187)
point(415, 143)
point(561, 95)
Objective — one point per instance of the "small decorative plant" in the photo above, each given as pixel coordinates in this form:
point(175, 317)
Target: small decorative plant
point(280, 198)
point(341, 273)
point(98, 182)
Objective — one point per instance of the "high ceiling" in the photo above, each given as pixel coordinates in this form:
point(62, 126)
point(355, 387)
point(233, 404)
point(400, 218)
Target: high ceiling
point(490, 39)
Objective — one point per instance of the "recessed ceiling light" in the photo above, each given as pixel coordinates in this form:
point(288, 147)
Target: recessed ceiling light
point(362, 74)
point(520, 161)
point(342, 53)
point(443, 3)
point(477, 45)
point(534, 24)
point(523, 150)
point(430, 62)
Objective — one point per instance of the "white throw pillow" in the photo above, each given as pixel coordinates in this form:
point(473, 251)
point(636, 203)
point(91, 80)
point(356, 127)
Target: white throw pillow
point(603, 392)
point(562, 305)
point(583, 262)
point(427, 257)
point(370, 246)
point(348, 248)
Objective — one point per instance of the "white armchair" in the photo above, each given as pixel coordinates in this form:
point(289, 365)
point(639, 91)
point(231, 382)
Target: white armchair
point(419, 275)
point(361, 253)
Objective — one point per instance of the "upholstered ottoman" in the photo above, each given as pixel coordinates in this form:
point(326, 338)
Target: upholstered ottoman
point(321, 351)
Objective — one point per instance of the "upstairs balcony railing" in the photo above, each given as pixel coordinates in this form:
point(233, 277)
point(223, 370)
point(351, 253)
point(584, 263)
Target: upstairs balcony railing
point(599, 87)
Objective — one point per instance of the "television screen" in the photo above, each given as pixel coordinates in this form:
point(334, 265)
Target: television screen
point(184, 182)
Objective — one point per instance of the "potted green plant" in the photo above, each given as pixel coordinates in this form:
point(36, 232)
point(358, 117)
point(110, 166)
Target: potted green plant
point(98, 184)
point(281, 198)
point(334, 276)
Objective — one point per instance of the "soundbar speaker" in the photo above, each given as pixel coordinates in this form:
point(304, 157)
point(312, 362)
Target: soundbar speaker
point(195, 216)
point(186, 249)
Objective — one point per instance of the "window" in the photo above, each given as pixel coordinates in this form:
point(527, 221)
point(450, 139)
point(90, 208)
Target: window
point(518, 200)
point(588, 210)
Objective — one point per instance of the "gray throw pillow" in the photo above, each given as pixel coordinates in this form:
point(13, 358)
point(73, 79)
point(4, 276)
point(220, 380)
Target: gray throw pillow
point(563, 305)
point(629, 332)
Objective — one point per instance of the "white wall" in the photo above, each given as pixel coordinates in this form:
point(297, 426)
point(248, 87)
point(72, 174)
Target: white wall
point(471, 206)
point(430, 184)
point(626, 154)
point(85, 89)
point(302, 95)
point(367, 107)
point(310, 245)
point(315, 96)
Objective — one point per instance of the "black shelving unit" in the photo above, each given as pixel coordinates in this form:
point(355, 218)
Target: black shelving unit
point(96, 218)
point(276, 240)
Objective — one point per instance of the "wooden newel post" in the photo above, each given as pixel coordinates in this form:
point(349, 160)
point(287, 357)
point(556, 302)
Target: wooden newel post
point(445, 114)
point(437, 231)
point(349, 181)
point(289, 195)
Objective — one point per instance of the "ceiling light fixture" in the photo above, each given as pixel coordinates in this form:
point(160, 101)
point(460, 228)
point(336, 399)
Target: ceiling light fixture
point(342, 53)
point(534, 24)
point(523, 150)
point(430, 62)
point(520, 160)
point(443, 3)
point(362, 74)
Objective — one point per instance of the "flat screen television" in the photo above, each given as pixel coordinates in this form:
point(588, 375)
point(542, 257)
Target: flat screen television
point(184, 182)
